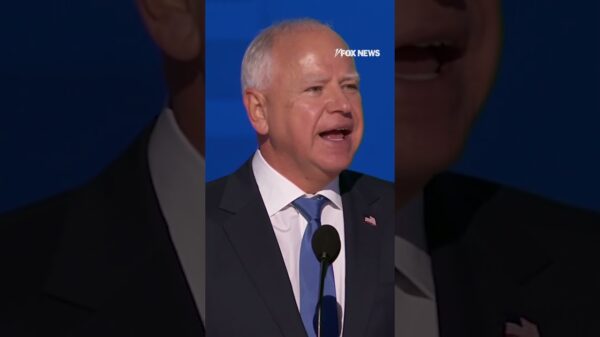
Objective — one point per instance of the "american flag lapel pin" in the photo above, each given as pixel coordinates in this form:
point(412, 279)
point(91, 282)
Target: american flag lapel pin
point(370, 220)
point(525, 329)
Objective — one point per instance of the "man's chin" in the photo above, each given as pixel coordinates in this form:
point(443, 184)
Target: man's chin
point(433, 144)
point(332, 167)
point(418, 168)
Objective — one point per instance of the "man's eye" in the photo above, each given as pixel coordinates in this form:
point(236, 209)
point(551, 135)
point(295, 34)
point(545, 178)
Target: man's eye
point(315, 89)
point(351, 86)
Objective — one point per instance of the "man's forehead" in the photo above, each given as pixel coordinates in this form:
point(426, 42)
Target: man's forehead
point(308, 51)
point(317, 66)
point(308, 38)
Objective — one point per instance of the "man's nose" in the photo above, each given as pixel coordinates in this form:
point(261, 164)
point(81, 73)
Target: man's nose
point(338, 100)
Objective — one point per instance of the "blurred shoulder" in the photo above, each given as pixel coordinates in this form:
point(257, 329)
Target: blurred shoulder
point(350, 180)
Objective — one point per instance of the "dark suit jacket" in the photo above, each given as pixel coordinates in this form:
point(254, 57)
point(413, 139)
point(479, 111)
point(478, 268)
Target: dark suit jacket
point(96, 261)
point(500, 255)
point(248, 288)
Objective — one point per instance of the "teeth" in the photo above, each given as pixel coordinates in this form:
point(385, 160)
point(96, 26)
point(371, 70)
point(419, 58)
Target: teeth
point(343, 131)
point(340, 133)
point(435, 44)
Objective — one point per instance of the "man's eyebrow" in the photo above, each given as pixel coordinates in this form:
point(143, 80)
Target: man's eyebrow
point(322, 79)
point(316, 78)
point(351, 77)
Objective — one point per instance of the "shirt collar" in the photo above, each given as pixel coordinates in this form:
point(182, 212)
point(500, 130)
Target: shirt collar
point(177, 171)
point(411, 257)
point(167, 138)
point(278, 192)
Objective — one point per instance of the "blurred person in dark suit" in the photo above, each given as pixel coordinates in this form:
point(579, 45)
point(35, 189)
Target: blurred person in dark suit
point(122, 255)
point(474, 258)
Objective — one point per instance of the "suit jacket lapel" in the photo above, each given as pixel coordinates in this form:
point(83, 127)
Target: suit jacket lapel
point(505, 257)
point(456, 308)
point(116, 272)
point(251, 234)
point(448, 211)
point(482, 258)
point(363, 254)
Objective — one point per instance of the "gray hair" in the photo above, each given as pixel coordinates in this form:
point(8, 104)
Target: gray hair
point(256, 65)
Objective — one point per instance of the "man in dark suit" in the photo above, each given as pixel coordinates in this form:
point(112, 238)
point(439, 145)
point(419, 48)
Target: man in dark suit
point(305, 105)
point(474, 258)
point(120, 256)
point(507, 262)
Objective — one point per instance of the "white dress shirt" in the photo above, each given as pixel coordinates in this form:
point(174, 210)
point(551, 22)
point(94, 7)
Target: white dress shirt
point(177, 172)
point(416, 308)
point(277, 193)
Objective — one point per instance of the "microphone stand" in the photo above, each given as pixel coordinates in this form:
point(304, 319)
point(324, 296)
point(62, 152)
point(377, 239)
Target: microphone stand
point(324, 266)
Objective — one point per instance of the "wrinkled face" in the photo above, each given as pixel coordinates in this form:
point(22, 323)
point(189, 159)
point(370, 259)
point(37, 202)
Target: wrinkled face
point(313, 106)
point(446, 57)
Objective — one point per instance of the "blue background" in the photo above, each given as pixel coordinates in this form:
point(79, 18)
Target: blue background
point(541, 129)
point(80, 79)
point(231, 26)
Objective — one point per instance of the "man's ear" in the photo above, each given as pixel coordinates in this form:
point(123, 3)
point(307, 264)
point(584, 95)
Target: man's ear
point(172, 26)
point(255, 103)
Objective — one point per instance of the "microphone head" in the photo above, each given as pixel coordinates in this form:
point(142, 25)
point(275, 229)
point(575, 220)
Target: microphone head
point(326, 244)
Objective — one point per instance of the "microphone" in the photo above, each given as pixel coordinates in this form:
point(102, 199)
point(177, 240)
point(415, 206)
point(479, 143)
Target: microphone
point(326, 246)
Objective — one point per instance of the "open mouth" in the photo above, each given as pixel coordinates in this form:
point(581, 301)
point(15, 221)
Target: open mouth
point(337, 134)
point(425, 61)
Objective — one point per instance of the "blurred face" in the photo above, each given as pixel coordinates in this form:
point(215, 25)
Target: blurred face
point(198, 12)
point(313, 108)
point(446, 57)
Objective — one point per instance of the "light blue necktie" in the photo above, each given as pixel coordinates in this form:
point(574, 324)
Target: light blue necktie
point(311, 208)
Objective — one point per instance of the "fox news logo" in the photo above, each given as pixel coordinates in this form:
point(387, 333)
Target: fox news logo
point(357, 52)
